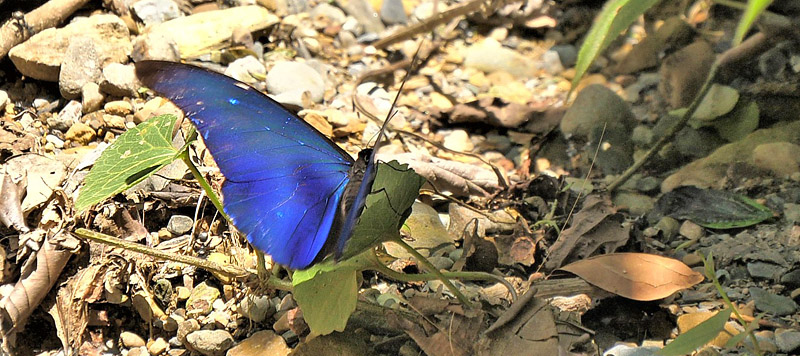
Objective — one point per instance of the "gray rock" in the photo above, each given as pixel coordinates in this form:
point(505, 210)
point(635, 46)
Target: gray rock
point(764, 270)
point(490, 56)
point(257, 308)
point(787, 341)
point(768, 302)
point(81, 65)
point(567, 53)
point(41, 56)
point(119, 80)
point(244, 68)
point(179, 224)
point(792, 278)
point(393, 13)
point(332, 13)
point(210, 342)
point(156, 11)
point(595, 107)
point(67, 117)
point(91, 97)
point(365, 15)
point(291, 79)
point(155, 45)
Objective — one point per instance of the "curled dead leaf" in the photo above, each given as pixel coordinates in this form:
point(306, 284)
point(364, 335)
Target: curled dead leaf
point(637, 276)
point(461, 179)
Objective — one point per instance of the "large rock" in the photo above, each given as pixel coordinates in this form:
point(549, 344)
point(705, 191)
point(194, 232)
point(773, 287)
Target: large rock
point(206, 31)
point(41, 56)
point(594, 107)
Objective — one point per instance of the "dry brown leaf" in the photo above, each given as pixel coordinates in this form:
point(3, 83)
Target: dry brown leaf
point(31, 289)
point(595, 228)
point(461, 179)
point(10, 203)
point(527, 328)
point(637, 276)
point(43, 176)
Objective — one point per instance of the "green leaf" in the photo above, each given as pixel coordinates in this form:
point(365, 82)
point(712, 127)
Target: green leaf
point(616, 16)
point(698, 336)
point(393, 193)
point(751, 13)
point(135, 155)
point(327, 293)
point(711, 208)
point(719, 100)
point(738, 123)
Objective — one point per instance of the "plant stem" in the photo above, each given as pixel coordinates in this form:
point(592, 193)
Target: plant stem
point(184, 155)
point(428, 266)
point(228, 270)
point(466, 276)
point(670, 134)
point(740, 320)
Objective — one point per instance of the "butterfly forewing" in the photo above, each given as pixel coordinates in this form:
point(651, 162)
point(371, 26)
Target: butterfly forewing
point(284, 179)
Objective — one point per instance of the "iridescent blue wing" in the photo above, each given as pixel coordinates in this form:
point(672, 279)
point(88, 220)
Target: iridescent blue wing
point(283, 179)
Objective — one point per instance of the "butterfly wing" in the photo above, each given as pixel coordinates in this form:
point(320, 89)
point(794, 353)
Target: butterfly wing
point(283, 179)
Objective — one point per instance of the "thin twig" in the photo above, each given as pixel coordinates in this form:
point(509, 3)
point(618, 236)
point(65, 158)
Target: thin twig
point(51, 14)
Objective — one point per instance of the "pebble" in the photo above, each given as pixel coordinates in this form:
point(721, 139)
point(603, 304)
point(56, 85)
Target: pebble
point(441, 263)
point(691, 230)
point(393, 13)
point(334, 14)
point(57, 142)
point(118, 107)
point(264, 342)
point(131, 340)
point(138, 351)
point(187, 327)
point(243, 69)
point(91, 97)
point(210, 342)
point(119, 80)
point(67, 117)
point(764, 270)
point(81, 65)
point(771, 303)
point(80, 133)
point(114, 121)
point(256, 308)
point(788, 341)
point(158, 346)
point(567, 53)
point(490, 56)
point(551, 63)
point(202, 299)
point(153, 12)
point(179, 225)
point(287, 81)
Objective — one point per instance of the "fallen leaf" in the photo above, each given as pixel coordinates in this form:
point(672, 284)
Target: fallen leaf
point(596, 227)
point(637, 276)
point(527, 328)
point(43, 175)
point(10, 204)
point(461, 179)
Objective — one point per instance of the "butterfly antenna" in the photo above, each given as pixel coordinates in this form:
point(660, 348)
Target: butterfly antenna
point(411, 68)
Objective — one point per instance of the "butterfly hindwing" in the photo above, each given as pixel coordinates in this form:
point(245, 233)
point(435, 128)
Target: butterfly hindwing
point(284, 179)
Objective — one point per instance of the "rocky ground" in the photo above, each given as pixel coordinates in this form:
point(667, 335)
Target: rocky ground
point(522, 170)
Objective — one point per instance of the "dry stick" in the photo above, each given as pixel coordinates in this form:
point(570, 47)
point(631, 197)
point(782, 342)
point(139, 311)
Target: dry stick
point(224, 269)
point(46, 16)
point(430, 23)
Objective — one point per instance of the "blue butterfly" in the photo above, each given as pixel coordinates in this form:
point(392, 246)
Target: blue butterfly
point(294, 193)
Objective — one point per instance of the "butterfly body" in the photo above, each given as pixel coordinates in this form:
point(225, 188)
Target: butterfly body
point(287, 187)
